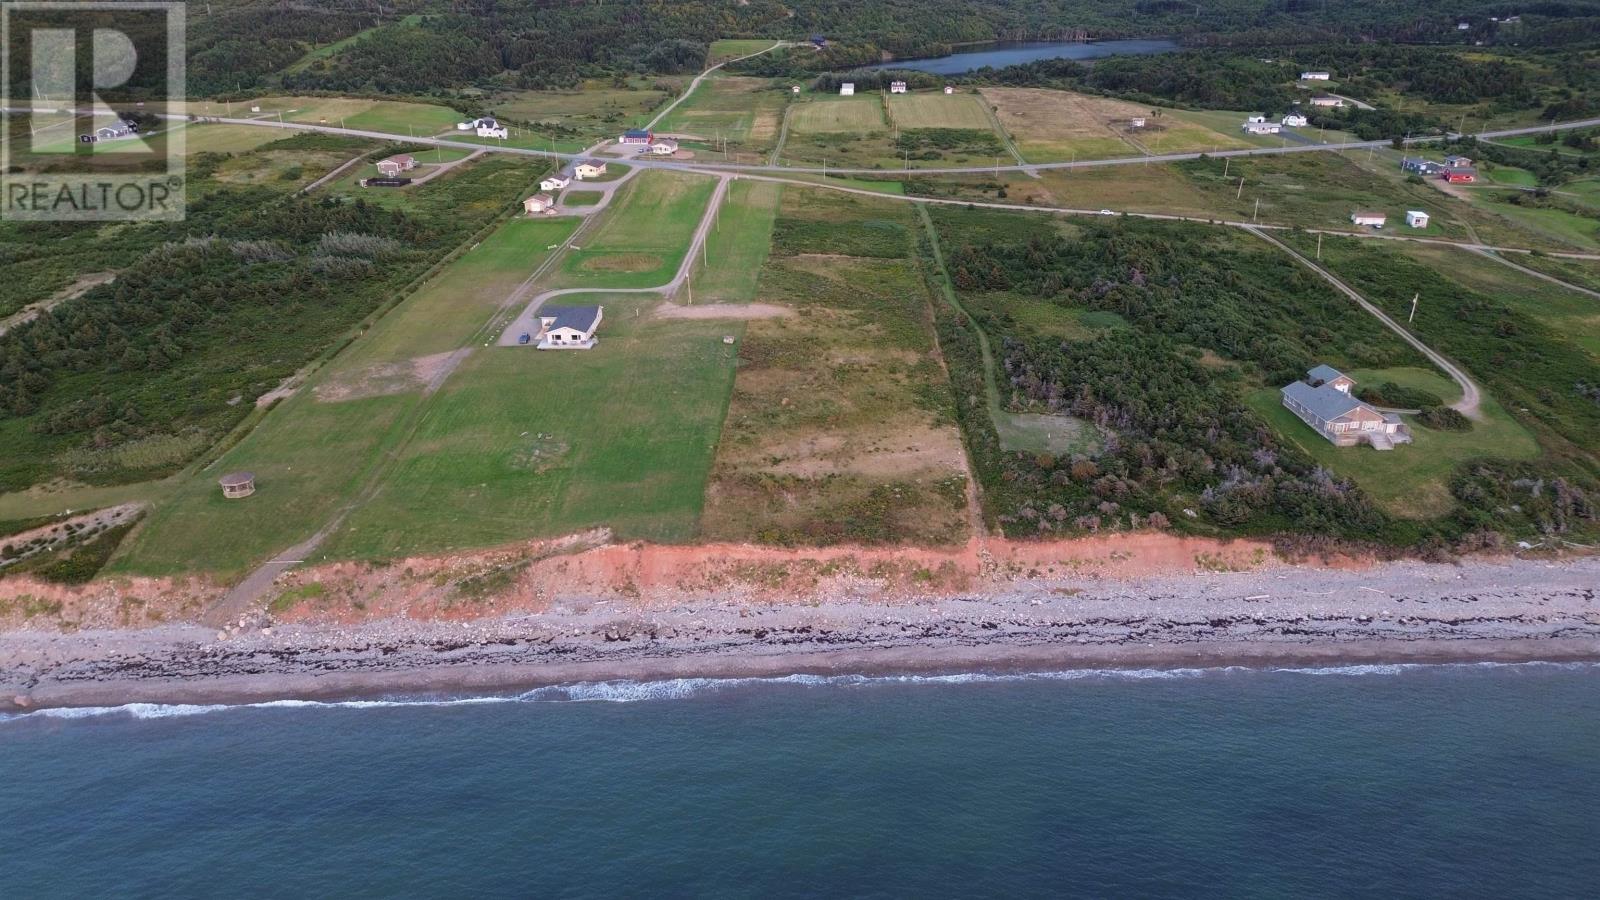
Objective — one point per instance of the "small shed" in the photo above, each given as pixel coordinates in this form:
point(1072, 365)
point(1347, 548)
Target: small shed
point(1371, 219)
point(949, 89)
point(237, 484)
point(1416, 218)
point(848, 89)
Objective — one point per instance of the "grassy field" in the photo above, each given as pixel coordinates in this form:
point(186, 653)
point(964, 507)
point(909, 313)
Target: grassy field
point(1058, 126)
point(391, 116)
point(745, 111)
point(202, 138)
point(733, 48)
point(499, 459)
point(312, 453)
point(839, 429)
point(597, 109)
point(939, 111)
point(737, 247)
point(581, 198)
point(644, 235)
point(858, 115)
point(1411, 481)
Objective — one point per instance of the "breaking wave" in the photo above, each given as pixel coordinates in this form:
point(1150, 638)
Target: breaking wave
point(625, 691)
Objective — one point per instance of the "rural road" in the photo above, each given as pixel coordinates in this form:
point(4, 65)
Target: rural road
point(650, 126)
point(527, 320)
point(1470, 396)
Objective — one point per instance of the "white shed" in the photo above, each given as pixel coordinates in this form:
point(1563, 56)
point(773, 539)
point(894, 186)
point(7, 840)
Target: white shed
point(848, 89)
point(1416, 218)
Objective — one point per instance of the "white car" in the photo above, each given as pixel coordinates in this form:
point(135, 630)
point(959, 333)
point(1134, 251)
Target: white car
point(1107, 212)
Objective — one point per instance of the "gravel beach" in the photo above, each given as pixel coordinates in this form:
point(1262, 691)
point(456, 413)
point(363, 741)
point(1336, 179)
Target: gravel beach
point(1511, 610)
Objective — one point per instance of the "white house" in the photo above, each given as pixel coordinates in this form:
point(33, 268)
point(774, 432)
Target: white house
point(664, 147)
point(1136, 122)
point(1463, 26)
point(539, 204)
point(554, 183)
point(897, 87)
point(1294, 120)
point(1373, 219)
point(949, 89)
point(1255, 120)
point(794, 89)
point(1327, 100)
point(1324, 402)
point(589, 169)
point(569, 327)
point(1315, 76)
point(1416, 218)
point(394, 165)
point(489, 128)
point(1263, 127)
point(848, 89)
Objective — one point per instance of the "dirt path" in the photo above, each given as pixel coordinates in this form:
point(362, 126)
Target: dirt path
point(331, 176)
point(667, 110)
point(73, 291)
point(1470, 400)
point(1534, 272)
point(441, 168)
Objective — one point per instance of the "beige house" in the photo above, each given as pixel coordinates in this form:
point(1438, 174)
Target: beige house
point(1369, 219)
point(664, 147)
point(394, 165)
point(588, 169)
point(539, 204)
point(1324, 402)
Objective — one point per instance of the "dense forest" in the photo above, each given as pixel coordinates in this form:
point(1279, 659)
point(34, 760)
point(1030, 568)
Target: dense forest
point(434, 47)
point(136, 377)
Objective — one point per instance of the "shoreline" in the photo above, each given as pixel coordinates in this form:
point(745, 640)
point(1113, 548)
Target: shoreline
point(1277, 616)
point(439, 683)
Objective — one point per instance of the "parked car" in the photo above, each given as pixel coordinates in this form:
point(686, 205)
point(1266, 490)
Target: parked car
point(524, 338)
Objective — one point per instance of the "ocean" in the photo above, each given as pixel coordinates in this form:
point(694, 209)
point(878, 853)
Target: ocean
point(1404, 781)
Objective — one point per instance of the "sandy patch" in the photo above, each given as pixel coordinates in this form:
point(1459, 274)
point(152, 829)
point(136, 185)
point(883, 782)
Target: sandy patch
point(722, 311)
point(620, 262)
point(384, 379)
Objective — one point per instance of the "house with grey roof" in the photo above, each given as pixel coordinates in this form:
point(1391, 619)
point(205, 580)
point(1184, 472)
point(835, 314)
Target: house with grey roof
point(1325, 402)
point(569, 327)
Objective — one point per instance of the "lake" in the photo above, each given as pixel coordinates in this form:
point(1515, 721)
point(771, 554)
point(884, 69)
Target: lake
point(1015, 53)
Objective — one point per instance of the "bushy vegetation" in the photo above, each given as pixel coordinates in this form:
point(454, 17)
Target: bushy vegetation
point(136, 377)
point(929, 143)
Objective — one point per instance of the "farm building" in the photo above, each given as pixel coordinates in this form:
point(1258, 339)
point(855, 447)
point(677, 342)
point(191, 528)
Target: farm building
point(664, 147)
point(1372, 219)
point(949, 89)
point(1324, 402)
point(394, 165)
point(1420, 166)
point(636, 136)
point(897, 87)
point(588, 169)
point(1416, 218)
point(1256, 119)
point(539, 204)
point(237, 484)
point(555, 182)
point(1315, 76)
point(1263, 127)
point(848, 89)
point(1294, 120)
point(1136, 122)
point(1460, 175)
point(569, 327)
point(1327, 100)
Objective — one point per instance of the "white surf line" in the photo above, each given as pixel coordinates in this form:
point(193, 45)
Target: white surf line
point(523, 323)
point(1470, 396)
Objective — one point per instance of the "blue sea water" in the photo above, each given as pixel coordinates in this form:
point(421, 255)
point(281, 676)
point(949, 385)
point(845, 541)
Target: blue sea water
point(1012, 53)
point(1439, 781)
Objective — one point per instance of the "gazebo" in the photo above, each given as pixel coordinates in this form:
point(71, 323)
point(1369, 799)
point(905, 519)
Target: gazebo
point(237, 484)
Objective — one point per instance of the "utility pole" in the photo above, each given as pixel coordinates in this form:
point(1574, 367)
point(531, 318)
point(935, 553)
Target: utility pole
point(1414, 298)
point(1225, 164)
point(1319, 246)
point(1239, 195)
point(1256, 216)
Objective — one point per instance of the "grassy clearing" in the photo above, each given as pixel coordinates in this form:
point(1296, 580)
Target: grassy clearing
point(836, 223)
point(597, 109)
point(733, 48)
point(1134, 188)
point(1057, 126)
point(644, 235)
point(204, 138)
point(737, 246)
point(939, 111)
point(581, 198)
point(745, 111)
point(840, 427)
point(507, 453)
point(1411, 481)
point(858, 115)
point(393, 116)
point(310, 455)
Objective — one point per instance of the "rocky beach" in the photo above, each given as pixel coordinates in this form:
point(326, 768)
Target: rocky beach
point(1271, 615)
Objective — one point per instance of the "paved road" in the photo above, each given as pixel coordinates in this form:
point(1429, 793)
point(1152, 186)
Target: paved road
point(1471, 398)
point(527, 321)
point(713, 166)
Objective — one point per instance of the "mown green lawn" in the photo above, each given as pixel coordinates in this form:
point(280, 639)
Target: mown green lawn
point(737, 246)
point(644, 235)
point(526, 443)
